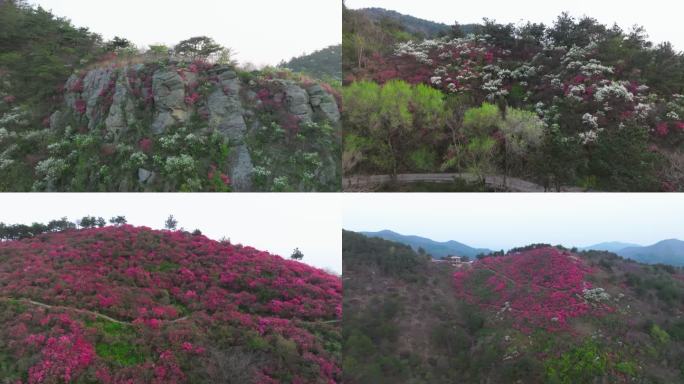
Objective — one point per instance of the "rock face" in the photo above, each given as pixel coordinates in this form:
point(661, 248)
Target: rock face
point(169, 100)
point(152, 101)
point(227, 117)
point(122, 111)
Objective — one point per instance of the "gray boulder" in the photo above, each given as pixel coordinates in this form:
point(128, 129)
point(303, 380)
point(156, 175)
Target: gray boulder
point(297, 102)
point(169, 99)
point(122, 111)
point(226, 117)
point(145, 176)
point(324, 103)
point(94, 84)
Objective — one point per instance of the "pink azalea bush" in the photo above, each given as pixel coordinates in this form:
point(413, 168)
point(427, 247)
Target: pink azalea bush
point(123, 272)
point(541, 287)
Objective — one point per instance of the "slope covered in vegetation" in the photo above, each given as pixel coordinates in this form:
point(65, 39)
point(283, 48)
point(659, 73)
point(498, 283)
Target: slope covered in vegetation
point(134, 305)
point(538, 314)
point(325, 63)
point(576, 103)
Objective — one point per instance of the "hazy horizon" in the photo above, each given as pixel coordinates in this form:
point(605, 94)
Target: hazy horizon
point(276, 223)
point(655, 18)
point(506, 221)
point(519, 245)
point(259, 31)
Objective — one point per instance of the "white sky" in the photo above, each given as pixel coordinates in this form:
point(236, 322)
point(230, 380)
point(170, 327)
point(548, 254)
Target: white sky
point(261, 31)
point(276, 222)
point(503, 221)
point(661, 18)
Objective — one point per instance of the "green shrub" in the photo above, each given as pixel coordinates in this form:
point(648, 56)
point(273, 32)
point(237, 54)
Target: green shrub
point(581, 364)
point(423, 159)
point(659, 334)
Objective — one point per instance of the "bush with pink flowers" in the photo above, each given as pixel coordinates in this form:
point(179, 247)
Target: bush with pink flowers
point(541, 287)
point(130, 304)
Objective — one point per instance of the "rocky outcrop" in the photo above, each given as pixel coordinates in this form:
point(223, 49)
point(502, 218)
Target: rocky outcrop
point(122, 111)
point(227, 117)
point(323, 102)
point(169, 100)
point(141, 101)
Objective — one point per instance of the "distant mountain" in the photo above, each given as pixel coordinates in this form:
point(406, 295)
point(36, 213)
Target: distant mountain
point(413, 24)
point(610, 246)
point(437, 249)
point(322, 64)
point(664, 252)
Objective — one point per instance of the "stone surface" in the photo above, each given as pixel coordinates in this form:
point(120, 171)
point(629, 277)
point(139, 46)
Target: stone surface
point(325, 103)
point(169, 99)
point(226, 116)
point(94, 84)
point(122, 111)
point(145, 176)
point(56, 120)
point(154, 100)
point(297, 102)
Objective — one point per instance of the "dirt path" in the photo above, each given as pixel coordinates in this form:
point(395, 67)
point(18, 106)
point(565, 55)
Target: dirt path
point(123, 322)
point(86, 311)
point(361, 183)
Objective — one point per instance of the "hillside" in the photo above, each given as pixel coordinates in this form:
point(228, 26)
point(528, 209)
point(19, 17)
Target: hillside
point(130, 304)
point(106, 116)
point(573, 105)
point(413, 25)
point(322, 64)
point(536, 315)
point(436, 249)
point(664, 252)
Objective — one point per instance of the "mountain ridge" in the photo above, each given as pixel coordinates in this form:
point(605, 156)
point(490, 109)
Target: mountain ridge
point(437, 249)
point(668, 251)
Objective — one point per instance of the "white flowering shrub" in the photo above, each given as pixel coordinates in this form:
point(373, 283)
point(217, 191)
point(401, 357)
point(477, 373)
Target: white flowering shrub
point(596, 295)
point(51, 169)
point(590, 120)
point(615, 90)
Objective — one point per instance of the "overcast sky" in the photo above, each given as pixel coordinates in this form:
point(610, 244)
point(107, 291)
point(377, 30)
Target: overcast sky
point(261, 31)
point(661, 18)
point(503, 221)
point(276, 222)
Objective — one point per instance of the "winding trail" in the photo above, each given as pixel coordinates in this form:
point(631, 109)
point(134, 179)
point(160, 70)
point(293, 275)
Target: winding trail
point(86, 311)
point(360, 183)
point(124, 322)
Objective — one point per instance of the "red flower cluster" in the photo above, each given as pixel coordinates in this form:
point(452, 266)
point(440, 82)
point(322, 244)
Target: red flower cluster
point(662, 129)
point(542, 287)
point(146, 145)
point(173, 287)
point(9, 99)
point(80, 106)
point(212, 173)
point(192, 99)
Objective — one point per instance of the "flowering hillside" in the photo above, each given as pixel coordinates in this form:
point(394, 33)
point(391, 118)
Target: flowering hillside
point(542, 287)
point(134, 305)
point(601, 108)
point(538, 314)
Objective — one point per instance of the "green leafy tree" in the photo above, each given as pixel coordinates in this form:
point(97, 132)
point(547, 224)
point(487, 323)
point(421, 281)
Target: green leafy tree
point(198, 47)
point(397, 118)
point(522, 131)
point(119, 43)
point(88, 222)
point(38, 51)
point(118, 220)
